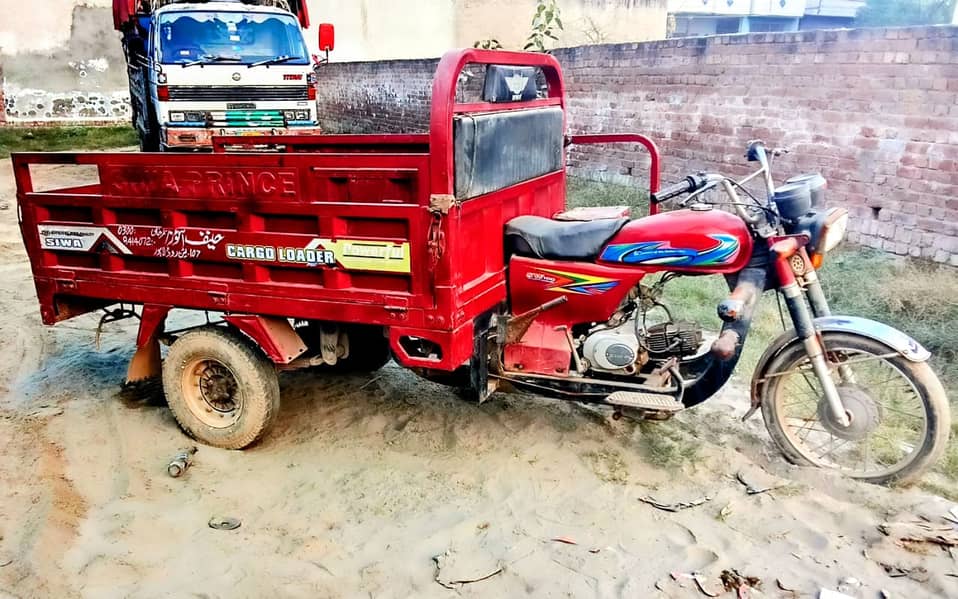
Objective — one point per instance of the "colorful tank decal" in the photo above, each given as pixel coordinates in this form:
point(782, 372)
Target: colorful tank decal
point(570, 282)
point(661, 252)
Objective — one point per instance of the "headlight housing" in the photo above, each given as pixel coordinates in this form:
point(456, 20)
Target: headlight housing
point(831, 232)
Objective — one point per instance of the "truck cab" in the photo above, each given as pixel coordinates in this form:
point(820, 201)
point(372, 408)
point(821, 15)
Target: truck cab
point(199, 69)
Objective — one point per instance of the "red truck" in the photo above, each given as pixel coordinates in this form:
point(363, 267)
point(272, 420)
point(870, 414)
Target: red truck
point(450, 252)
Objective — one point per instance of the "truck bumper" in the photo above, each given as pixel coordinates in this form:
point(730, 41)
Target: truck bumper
point(189, 138)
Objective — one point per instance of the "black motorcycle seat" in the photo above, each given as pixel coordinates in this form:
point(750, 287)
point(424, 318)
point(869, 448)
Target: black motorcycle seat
point(538, 237)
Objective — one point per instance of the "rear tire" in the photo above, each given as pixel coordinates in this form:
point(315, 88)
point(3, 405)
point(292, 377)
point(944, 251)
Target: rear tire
point(929, 395)
point(221, 389)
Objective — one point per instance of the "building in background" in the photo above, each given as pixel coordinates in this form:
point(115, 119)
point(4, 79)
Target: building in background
point(716, 17)
point(64, 63)
point(387, 29)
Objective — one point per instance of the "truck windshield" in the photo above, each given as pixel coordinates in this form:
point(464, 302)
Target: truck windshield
point(231, 37)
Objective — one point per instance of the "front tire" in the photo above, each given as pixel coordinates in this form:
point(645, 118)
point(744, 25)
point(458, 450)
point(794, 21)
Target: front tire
point(221, 389)
point(897, 407)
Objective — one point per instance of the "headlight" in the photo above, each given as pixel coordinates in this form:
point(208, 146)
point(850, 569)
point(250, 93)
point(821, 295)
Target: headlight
point(290, 115)
point(836, 225)
point(302, 115)
point(831, 234)
point(178, 117)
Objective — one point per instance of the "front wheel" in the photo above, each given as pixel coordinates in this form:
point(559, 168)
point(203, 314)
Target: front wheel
point(898, 410)
point(220, 388)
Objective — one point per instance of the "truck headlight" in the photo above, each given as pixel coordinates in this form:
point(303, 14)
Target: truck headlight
point(178, 117)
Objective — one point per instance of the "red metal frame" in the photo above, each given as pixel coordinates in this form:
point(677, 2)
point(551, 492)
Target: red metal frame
point(445, 107)
point(655, 168)
point(167, 229)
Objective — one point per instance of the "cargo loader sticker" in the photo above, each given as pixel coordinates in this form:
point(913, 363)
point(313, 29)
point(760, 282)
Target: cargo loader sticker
point(351, 254)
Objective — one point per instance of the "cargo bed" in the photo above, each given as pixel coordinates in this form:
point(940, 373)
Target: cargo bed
point(403, 232)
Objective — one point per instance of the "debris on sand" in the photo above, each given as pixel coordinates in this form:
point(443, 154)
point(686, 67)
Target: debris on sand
point(5, 562)
point(787, 585)
point(684, 579)
point(733, 580)
point(564, 540)
point(454, 570)
point(675, 507)
point(760, 482)
point(700, 582)
point(918, 573)
point(181, 462)
point(906, 533)
point(221, 523)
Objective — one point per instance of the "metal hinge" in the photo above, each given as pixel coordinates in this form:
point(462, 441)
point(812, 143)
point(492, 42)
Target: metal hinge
point(441, 203)
point(439, 206)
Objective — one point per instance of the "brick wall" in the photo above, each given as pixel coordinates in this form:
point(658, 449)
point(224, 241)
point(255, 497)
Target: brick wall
point(874, 110)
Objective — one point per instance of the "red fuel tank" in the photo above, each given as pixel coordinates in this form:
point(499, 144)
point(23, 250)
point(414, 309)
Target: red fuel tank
point(709, 241)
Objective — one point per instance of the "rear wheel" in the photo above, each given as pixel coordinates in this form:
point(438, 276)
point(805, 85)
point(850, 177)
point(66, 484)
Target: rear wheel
point(220, 388)
point(898, 411)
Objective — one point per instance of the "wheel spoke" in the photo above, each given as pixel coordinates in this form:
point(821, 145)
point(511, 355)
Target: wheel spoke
point(876, 443)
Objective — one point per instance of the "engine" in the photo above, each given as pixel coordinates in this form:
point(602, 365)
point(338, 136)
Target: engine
point(673, 339)
point(619, 350)
point(613, 350)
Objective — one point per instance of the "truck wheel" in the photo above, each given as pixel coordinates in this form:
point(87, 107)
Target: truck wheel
point(149, 140)
point(221, 389)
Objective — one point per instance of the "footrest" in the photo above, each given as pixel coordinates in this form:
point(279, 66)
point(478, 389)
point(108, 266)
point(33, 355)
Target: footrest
point(645, 401)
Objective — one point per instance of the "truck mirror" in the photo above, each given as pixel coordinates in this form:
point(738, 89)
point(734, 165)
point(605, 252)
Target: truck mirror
point(327, 37)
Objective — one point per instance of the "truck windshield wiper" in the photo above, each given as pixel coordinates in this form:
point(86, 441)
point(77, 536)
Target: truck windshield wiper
point(276, 60)
point(211, 58)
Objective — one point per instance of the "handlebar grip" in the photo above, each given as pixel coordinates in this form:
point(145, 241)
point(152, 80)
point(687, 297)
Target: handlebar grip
point(672, 191)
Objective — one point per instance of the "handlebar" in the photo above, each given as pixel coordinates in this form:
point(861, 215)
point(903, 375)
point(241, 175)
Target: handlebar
point(688, 185)
point(695, 184)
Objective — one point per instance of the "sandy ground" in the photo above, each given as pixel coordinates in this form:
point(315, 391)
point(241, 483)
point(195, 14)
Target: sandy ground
point(366, 480)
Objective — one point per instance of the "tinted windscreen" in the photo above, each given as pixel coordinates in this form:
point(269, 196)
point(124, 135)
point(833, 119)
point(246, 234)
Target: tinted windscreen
point(187, 37)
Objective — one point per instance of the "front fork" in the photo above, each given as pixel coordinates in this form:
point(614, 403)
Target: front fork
point(803, 306)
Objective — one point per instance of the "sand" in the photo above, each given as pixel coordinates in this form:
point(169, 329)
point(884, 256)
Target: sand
point(366, 481)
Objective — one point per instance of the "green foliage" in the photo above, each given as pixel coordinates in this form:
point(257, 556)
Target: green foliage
point(53, 139)
point(546, 23)
point(489, 44)
point(899, 13)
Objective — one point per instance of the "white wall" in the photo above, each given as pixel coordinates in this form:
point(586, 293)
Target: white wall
point(40, 25)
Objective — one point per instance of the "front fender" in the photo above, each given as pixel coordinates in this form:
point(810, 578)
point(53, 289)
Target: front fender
point(878, 331)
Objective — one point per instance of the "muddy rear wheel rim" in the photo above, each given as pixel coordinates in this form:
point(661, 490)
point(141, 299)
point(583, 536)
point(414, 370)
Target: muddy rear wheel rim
point(212, 392)
point(882, 448)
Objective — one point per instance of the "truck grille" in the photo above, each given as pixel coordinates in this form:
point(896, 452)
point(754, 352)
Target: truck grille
point(259, 93)
point(247, 118)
